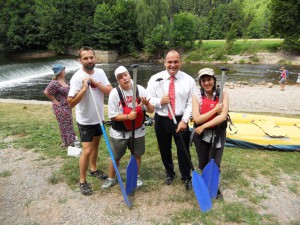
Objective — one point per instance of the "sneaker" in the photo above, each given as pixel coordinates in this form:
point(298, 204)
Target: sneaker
point(99, 174)
point(85, 189)
point(139, 182)
point(108, 183)
point(63, 146)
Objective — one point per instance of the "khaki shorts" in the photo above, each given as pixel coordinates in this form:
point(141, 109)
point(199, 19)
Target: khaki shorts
point(119, 146)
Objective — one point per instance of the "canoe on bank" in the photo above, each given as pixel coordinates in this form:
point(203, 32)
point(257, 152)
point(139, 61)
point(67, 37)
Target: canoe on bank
point(263, 132)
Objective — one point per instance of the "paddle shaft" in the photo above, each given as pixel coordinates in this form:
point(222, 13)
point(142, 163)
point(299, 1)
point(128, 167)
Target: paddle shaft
point(222, 86)
point(179, 133)
point(135, 66)
point(215, 134)
point(110, 152)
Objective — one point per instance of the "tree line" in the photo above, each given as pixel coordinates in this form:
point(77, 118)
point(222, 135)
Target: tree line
point(151, 26)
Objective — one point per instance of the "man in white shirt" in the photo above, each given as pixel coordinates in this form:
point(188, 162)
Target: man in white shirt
point(121, 113)
point(86, 115)
point(158, 90)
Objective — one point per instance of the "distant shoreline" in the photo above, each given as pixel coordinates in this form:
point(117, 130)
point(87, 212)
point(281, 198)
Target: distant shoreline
point(269, 58)
point(256, 99)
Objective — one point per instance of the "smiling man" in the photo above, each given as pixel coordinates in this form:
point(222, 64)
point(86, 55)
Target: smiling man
point(86, 114)
point(176, 88)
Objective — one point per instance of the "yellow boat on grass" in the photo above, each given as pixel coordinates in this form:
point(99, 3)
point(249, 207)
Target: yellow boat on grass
point(263, 132)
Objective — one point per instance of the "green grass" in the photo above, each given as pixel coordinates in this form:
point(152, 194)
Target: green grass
point(241, 46)
point(216, 49)
point(6, 173)
point(246, 174)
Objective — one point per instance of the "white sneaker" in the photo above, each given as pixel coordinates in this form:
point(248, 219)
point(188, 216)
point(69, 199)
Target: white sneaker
point(109, 182)
point(139, 182)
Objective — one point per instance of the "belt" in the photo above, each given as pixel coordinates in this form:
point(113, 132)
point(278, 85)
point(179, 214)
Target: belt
point(167, 117)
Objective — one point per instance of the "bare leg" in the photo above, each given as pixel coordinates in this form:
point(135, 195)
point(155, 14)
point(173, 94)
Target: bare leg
point(139, 161)
point(112, 172)
point(84, 159)
point(94, 153)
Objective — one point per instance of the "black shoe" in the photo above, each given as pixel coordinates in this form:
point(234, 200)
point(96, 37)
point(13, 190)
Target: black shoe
point(99, 174)
point(188, 184)
point(85, 189)
point(219, 195)
point(169, 179)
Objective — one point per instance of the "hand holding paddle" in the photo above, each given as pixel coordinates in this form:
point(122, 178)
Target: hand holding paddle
point(199, 186)
point(128, 203)
point(211, 172)
point(132, 168)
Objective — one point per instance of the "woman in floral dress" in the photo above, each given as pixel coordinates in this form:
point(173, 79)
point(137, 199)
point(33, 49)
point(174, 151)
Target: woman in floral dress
point(57, 91)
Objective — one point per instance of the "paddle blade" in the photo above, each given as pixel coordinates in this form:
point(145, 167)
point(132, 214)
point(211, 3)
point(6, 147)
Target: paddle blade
point(201, 192)
point(211, 177)
point(131, 175)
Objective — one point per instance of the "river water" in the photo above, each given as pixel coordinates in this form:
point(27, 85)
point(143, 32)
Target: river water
point(27, 80)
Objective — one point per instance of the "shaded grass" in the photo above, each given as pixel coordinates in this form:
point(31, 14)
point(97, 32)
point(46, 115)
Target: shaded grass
point(34, 127)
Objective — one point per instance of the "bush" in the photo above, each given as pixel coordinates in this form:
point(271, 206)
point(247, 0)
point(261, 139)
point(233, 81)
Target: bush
point(254, 58)
point(219, 54)
point(242, 61)
point(195, 56)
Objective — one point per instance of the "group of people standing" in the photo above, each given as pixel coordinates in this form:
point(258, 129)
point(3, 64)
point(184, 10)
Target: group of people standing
point(169, 90)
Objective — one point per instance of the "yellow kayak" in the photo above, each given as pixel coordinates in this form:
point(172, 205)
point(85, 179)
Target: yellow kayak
point(263, 132)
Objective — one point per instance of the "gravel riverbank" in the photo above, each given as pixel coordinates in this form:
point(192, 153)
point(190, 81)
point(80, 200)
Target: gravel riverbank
point(258, 98)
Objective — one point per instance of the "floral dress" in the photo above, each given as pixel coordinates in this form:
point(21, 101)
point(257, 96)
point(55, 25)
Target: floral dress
point(63, 112)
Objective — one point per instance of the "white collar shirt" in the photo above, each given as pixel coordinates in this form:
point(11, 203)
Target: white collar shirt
point(185, 87)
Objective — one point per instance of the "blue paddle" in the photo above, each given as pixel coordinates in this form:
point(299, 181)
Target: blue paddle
point(128, 203)
point(132, 168)
point(211, 172)
point(199, 186)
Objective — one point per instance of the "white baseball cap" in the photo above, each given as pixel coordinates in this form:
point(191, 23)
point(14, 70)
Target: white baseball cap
point(206, 71)
point(120, 69)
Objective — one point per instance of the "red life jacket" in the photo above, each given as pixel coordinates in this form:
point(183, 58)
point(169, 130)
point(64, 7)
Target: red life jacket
point(207, 105)
point(126, 125)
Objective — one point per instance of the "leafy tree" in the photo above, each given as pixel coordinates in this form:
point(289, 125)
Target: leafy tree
point(183, 31)
point(155, 43)
point(231, 38)
point(202, 28)
point(19, 26)
point(66, 23)
point(196, 7)
point(223, 17)
point(256, 20)
point(115, 26)
point(285, 22)
point(105, 27)
point(150, 13)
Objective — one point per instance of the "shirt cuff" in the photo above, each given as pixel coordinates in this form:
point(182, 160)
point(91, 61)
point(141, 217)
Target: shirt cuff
point(186, 120)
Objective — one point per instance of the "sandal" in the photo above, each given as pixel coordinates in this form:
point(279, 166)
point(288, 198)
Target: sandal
point(62, 145)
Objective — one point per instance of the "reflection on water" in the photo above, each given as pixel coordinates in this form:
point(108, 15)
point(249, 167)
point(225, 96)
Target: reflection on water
point(28, 80)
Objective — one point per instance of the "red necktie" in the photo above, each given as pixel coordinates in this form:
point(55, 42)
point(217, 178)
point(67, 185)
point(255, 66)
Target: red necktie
point(172, 95)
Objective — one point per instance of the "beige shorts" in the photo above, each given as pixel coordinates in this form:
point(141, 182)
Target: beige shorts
point(119, 146)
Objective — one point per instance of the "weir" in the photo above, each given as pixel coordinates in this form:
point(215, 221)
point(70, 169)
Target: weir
point(13, 74)
point(27, 80)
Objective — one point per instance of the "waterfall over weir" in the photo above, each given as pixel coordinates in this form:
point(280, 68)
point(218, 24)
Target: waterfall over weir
point(13, 74)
